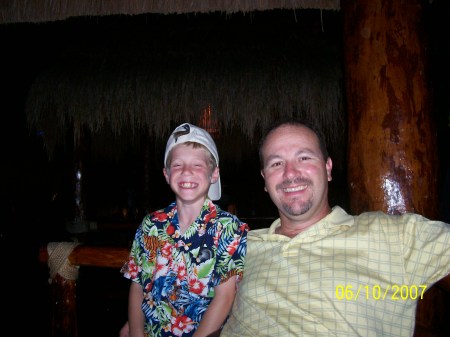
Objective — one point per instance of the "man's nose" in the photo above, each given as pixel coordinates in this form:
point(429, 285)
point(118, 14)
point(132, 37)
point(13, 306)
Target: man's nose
point(290, 170)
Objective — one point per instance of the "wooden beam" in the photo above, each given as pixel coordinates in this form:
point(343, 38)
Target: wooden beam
point(95, 256)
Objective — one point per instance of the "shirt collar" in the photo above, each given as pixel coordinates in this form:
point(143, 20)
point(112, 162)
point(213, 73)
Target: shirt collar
point(336, 218)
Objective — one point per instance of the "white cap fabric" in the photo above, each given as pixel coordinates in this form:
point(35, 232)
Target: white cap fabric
point(190, 133)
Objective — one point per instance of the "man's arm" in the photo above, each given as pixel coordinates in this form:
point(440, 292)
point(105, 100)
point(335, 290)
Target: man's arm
point(219, 308)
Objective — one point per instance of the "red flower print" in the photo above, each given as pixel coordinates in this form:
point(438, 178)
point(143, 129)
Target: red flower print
point(148, 287)
point(181, 271)
point(233, 246)
point(161, 267)
point(170, 229)
point(166, 249)
point(195, 285)
point(181, 324)
point(159, 216)
point(243, 227)
point(208, 216)
point(132, 268)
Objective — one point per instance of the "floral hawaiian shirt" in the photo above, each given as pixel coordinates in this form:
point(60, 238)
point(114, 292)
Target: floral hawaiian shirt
point(177, 272)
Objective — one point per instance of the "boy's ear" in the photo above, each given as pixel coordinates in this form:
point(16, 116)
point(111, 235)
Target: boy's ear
point(215, 175)
point(166, 174)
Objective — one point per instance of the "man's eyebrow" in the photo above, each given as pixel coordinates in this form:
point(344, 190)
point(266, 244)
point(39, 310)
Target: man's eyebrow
point(272, 157)
point(300, 152)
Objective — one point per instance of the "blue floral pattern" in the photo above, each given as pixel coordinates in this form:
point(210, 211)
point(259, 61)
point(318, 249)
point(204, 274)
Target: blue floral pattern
point(177, 272)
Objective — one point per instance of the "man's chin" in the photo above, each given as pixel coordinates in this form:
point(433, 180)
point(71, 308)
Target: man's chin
point(296, 210)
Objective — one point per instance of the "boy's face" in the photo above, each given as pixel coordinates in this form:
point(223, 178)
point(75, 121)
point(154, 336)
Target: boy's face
point(189, 173)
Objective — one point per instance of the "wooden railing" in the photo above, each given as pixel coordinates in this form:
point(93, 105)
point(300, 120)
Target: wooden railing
point(64, 311)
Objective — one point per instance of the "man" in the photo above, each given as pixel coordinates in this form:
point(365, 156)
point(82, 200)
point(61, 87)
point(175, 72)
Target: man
point(318, 271)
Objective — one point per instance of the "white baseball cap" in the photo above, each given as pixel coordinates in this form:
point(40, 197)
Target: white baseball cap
point(190, 133)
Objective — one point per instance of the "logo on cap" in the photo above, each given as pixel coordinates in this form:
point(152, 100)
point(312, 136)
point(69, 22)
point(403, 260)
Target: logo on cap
point(186, 131)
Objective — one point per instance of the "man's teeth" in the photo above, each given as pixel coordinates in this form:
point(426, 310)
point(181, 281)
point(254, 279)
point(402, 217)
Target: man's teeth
point(295, 189)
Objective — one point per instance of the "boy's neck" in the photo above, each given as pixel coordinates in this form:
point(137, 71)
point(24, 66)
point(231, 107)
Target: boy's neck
point(188, 213)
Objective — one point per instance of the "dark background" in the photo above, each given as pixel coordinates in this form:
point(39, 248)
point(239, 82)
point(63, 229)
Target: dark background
point(36, 196)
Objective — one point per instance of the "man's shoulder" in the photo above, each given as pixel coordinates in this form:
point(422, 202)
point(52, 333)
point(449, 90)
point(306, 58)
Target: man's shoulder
point(405, 221)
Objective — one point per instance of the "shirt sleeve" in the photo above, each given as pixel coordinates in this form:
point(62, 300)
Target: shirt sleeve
point(426, 248)
point(142, 258)
point(232, 248)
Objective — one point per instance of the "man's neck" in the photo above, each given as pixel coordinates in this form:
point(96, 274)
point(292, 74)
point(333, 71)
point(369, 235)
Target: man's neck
point(291, 226)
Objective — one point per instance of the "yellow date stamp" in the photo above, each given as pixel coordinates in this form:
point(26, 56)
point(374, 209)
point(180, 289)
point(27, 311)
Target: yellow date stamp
point(395, 292)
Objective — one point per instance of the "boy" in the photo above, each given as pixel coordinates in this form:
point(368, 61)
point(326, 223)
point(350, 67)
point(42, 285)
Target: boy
point(186, 260)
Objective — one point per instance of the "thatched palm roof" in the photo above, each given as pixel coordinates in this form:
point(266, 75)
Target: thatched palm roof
point(52, 10)
point(154, 80)
point(147, 84)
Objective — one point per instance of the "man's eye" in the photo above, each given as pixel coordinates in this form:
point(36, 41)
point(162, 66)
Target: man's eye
point(304, 158)
point(275, 164)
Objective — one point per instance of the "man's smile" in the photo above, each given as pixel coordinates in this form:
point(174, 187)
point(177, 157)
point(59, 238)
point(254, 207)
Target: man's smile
point(295, 189)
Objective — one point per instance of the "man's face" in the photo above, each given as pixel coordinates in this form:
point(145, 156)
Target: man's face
point(295, 173)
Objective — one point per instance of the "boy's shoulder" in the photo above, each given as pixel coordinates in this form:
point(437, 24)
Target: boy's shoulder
point(225, 214)
point(227, 218)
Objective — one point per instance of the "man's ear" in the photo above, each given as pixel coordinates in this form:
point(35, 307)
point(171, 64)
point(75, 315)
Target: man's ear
point(329, 166)
point(262, 174)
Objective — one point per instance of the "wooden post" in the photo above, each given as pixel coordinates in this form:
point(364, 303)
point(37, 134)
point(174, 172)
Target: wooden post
point(64, 315)
point(392, 147)
point(392, 152)
point(64, 291)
